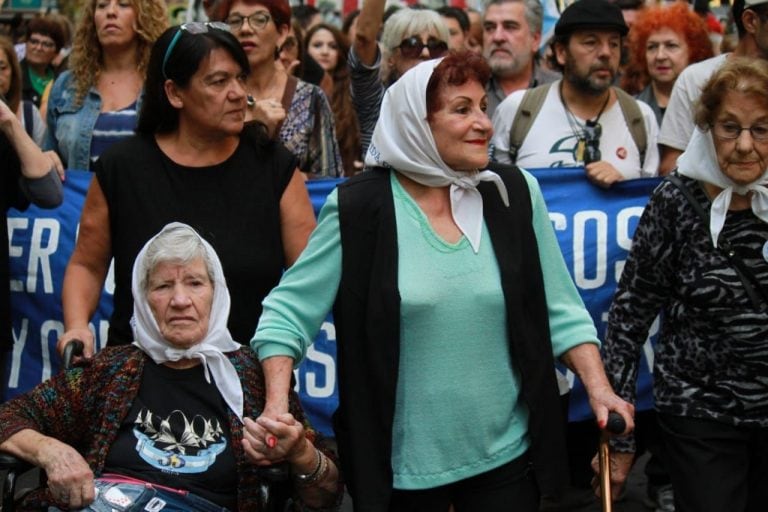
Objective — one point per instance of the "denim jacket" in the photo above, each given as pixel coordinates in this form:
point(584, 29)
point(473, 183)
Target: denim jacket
point(70, 126)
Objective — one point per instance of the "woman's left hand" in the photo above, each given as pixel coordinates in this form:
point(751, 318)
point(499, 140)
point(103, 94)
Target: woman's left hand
point(288, 433)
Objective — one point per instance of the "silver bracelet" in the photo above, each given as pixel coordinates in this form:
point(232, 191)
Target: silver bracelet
point(306, 479)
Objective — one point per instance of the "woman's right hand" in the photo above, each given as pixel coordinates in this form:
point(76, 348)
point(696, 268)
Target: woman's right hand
point(70, 479)
point(270, 113)
point(83, 334)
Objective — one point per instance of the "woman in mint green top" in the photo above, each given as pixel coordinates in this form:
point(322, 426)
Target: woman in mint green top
point(447, 282)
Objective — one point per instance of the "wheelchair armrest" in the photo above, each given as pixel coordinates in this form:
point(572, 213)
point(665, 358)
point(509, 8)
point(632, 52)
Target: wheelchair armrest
point(8, 461)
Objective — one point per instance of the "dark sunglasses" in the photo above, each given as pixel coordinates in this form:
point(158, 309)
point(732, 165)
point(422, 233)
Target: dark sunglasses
point(592, 133)
point(411, 47)
point(194, 27)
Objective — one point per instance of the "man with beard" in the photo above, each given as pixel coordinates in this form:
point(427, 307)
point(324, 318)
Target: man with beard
point(511, 39)
point(582, 120)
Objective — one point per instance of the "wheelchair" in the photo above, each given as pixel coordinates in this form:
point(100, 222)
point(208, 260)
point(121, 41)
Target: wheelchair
point(18, 478)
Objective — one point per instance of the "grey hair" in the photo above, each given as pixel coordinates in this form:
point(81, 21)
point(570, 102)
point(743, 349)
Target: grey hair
point(408, 22)
point(534, 13)
point(179, 244)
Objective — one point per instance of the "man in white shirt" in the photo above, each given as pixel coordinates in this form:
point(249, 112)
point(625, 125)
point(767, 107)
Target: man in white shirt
point(581, 121)
point(751, 17)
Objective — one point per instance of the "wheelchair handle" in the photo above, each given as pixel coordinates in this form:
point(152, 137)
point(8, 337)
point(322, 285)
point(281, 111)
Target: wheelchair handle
point(72, 349)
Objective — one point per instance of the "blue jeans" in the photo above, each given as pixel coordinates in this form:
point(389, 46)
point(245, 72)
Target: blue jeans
point(130, 497)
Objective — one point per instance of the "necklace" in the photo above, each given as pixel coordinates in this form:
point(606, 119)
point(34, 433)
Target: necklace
point(580, 130)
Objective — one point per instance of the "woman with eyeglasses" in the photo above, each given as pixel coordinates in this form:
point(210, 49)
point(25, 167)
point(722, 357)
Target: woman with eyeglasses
point(96, 102)
point(699, 258)
point(409, 36)
point(329, 47)
point(193, 160)
point(45, 37)
point(293, 111)
point(663, 41)
point(451, 301)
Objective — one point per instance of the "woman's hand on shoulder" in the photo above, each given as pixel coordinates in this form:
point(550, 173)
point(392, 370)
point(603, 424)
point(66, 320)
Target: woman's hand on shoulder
point(268, 112)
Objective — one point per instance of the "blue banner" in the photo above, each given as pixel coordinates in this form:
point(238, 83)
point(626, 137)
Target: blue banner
point(594, 227)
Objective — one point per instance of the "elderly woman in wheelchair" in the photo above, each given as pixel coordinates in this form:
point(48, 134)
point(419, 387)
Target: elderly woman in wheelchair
point(164, 424)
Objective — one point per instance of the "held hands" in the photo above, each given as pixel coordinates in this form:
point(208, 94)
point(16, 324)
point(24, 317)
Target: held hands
point(70, 479)
point(289, 443)
point(603, 174)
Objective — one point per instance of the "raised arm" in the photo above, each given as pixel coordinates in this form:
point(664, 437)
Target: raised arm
point(39, 171)
point(368, 26)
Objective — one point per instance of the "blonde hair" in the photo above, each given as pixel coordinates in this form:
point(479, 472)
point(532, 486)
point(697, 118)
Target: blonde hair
point(86, 60)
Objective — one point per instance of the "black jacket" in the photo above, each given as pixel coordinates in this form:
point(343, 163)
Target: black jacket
point(367, 316)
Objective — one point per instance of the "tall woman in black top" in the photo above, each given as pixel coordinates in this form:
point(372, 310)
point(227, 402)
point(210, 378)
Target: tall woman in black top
point(193, 162)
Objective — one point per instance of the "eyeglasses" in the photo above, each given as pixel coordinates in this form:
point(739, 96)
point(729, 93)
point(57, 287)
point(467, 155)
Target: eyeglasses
point(732, 131)
point(194, 27)
point(257, 21)
point(592, 133)
point(411, 47)
point(47, 45)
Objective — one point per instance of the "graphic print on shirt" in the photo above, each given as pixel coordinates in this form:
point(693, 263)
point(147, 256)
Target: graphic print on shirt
point(177, 445)
point(569, 146)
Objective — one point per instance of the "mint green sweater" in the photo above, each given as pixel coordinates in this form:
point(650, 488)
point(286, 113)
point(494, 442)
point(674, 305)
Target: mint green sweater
point(457, 412)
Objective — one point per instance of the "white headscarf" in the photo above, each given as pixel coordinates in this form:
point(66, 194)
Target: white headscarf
point(402, 140)
point(699, 161)
point(210, 351)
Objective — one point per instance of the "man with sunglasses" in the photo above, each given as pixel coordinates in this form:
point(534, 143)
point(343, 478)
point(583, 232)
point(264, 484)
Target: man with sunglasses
point(751, 20)
point(581, 120)
point(511, 39)
point(409, 36)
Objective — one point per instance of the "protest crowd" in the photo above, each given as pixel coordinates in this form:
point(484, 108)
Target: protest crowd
point(384, 256)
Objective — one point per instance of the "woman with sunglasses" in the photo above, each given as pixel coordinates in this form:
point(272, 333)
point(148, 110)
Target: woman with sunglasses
point(293, 111)
point(329, 47)
point(191, 161)
point(409, 37)
point(446, 280)
point(97, 101)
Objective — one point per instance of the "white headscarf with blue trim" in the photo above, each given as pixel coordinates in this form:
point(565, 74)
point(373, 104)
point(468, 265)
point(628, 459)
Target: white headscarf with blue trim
point(402, 140)
point(211, 349)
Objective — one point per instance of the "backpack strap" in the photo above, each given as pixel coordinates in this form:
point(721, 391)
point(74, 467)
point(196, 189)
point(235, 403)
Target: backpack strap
point(635, 122)
point(745, 274)
point(529, 108)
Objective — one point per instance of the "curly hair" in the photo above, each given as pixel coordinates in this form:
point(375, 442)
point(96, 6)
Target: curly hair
point(677, 17)
point(457, 68)
point(87, 56)
point(743, 74)
point(345, 117)
point(13, 97)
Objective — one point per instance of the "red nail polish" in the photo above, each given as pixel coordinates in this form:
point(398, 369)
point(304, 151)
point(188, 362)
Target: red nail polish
point(271, 441)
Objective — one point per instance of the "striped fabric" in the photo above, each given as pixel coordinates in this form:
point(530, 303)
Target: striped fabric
point(112, 127)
